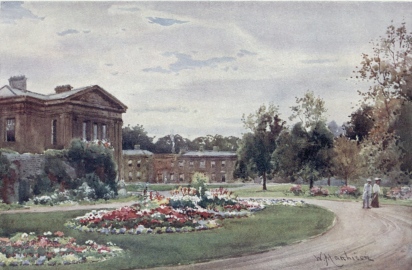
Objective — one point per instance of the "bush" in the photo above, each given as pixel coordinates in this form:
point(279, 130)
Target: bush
point(42, 185)
point(349, 190)
point(199, 181)
point(296, 189)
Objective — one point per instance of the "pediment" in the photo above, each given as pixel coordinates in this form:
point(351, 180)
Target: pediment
point(98, 98)
point(6, 91)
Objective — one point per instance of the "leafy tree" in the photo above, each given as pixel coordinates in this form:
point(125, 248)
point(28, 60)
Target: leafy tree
point(360, 124)
point(309, 110)
point(265, 126)
point(389, 66)
point(311, 140)
point(136, 136)
point(347, 162)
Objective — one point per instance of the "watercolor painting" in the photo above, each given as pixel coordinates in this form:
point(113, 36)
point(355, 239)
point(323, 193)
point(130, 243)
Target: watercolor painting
point(205, 134)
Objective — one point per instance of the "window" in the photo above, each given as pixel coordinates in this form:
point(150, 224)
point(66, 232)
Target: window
point(138, 163)
point(213, 177)
point(202, 164)
point(172, 176)
point(130, 176)
point(54, 132)
point(11, 130)
point(181, 177)
point(84, 131)
point(94, 132)
point(223, 164)
point(223, 178)
point(181, 163)
point(191, 163)
point(104, 132)
point(130, 163)
point(213, 164)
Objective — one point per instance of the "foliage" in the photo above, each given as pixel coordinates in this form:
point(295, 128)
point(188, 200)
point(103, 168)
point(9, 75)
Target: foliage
point(199, 181)
point(136, 135)
point(89, 158)
point(257, 146)
point(309, 110)
point(360, 124)
point(304, 154)
point(4, 168)
point(389, 67)
point(347, 162)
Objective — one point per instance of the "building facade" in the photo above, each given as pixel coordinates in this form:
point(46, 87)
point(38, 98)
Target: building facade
point(33, 122)
point(144, 166)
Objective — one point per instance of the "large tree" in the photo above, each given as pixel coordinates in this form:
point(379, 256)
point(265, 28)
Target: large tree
point(264, 127)
point(389, 69)
point(136, 136)
point(310, 139)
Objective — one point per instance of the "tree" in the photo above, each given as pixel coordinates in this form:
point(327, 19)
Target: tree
point(309, 110)
point(310, 140)
point(360, 124)
point(335, 129)
point(136, 136)
point(347, 162)
point(265, 126)
point(389, 66)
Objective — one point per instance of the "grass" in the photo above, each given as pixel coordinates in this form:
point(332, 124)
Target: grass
point(283, 192)
point(167, 187)
point(272, 227)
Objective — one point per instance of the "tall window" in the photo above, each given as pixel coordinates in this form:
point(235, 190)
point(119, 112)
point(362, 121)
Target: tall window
point(84, 134)
point(104, 132)
point(54, 132)
point(202, 164)
point(11, 130)
point(94, 131)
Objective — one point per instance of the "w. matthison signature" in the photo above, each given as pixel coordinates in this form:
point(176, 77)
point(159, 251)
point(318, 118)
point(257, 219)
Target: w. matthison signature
point(338, 260)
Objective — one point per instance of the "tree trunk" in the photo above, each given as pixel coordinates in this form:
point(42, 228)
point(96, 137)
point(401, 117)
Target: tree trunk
point(310, 183)
point(329, 181)
point(264, 181)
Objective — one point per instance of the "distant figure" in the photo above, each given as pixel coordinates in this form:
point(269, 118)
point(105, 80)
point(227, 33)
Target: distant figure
point(376, 190)
point(145, 192)
point(367, 189)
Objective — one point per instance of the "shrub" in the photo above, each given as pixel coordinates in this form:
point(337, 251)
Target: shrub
point(199, 181)
point(349, 190)
point(296, 189)
point(319, 191)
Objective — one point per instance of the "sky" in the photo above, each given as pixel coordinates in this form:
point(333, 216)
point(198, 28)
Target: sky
point(195, 68)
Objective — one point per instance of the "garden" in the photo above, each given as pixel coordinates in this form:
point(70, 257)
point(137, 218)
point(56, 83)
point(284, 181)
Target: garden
point(194, 224)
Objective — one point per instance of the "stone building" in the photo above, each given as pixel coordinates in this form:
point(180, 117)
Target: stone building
point(144, 166)
point(33, 122)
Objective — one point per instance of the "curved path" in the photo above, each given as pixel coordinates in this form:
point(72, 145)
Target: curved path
point(379, 238)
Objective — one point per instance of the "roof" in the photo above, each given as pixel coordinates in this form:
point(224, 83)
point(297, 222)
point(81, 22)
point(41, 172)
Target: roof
point(7, 91)
point(209, 154)
point(138, 152)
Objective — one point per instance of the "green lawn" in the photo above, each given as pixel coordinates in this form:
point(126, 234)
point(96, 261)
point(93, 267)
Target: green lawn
point(283, 191)
point(272, 227)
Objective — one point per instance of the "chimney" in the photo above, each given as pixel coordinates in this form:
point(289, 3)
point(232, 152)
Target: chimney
point(201, 148)
point(18, 82)
point(137, 147)
point(215, 148)
point(63, 88)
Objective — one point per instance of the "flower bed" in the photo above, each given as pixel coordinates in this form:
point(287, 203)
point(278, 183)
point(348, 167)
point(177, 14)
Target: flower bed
point(183, 212)
point(296, 189)
point(51, 249)
point(349, 190)
point(319, 191)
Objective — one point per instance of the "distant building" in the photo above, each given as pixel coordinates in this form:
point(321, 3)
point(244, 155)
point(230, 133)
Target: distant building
point(33, 122)
point(137, 165)
point(144, 166)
